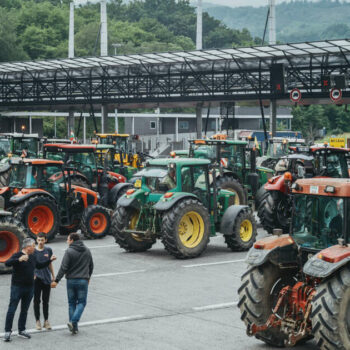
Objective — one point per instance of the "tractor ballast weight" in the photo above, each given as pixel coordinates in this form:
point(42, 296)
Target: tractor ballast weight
point(297, 285)
point(177, 200)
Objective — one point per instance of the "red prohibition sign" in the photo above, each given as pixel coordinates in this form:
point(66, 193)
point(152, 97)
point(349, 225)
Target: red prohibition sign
point(295, 95)
point(335, 95)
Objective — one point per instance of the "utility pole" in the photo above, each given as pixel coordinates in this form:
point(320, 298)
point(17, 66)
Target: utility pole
point(199, 36)
point(272, 41)
point(104, 33)
point(71, 31)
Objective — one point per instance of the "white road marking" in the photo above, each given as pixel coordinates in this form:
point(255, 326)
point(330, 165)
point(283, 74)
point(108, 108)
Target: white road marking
point(215, 306)
point(118, 273)
point(214, 263)
point(98, 246)
point(86, 324)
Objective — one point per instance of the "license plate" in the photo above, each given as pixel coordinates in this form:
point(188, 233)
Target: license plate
point(137, 184)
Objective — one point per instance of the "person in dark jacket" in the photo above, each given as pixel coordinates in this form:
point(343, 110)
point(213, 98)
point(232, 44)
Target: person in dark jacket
point(22, 285)
point(77, 265)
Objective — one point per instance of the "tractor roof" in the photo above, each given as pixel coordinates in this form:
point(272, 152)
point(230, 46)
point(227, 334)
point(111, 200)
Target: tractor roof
point(178, 161)
point(112, 134)
point(104, 147)
point(48, 141)
point(218, 142)
point(323, 187)
point(298, 156)
point(333, 149)
point(36, 161)
point(73, 148)
point(19, 135)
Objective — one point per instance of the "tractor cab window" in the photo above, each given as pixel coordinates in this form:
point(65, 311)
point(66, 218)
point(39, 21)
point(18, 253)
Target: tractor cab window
point(194, 179)
point(29, 145)
point(205, 152)
point(122, 144)
point(277, 149)
point(333, 165)
point(18, 175)
point(55, 156)
point(4, 146)
point(232, 156)
point(158, 180)
point(318, 221)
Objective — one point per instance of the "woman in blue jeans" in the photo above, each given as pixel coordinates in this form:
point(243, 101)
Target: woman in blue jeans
point(77, 265)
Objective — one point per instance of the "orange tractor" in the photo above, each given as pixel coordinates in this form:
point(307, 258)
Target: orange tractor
point(41, 196)
point(297, 286)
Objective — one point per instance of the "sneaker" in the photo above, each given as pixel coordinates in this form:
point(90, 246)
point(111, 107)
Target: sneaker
point(70, 326)
point(38, 325)
point(24, 334)
point(75, 328)
point(47, 325)
point(7, 336)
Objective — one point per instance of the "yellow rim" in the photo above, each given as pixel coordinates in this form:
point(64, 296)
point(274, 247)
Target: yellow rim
point(191, 229)
point(246, 231)
point(132, 225)
point(237, 201)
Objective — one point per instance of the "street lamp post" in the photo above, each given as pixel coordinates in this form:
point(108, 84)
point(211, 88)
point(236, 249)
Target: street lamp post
point(116, 45)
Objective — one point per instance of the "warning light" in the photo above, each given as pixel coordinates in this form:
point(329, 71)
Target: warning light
point(278, 87)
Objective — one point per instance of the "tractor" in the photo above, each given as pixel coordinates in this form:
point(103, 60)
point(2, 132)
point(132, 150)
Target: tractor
point(40, 195)
point(297, 285)
point(277, 148)
point(87, 174)
point(177, 200)
point(12, 233)
point(273, 200)
point(235, 163)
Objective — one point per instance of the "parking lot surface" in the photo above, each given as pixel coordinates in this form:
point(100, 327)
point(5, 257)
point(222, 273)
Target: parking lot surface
point(147, 301)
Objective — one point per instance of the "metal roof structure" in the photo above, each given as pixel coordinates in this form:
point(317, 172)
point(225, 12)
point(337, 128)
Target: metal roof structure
point(159, 79)
point(258, 52)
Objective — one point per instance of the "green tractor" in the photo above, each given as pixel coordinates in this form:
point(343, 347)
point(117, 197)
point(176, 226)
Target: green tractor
point(178, 201)
point(235, 162)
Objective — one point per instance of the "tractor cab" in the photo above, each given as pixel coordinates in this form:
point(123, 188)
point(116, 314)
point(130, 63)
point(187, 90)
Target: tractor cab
point(105, 156)
point(5, 146)
point(321, 212)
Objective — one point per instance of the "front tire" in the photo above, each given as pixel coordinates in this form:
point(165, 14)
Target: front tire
point(330, 315)
point(12, 234)
point(126, 218)
point(258, 295)
point(186, 229)
point(244, 232)
point(95, 222)
point(230, 184)
point(39, 214)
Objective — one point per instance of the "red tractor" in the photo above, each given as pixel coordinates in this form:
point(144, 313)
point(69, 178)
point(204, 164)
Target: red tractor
point(297, 286)
point(273, 200)
point(41, 196)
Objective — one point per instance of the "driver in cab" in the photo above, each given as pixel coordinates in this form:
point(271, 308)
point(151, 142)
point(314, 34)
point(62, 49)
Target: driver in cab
point(170, 179)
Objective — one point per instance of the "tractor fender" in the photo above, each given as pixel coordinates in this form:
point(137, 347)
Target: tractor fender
point(28, 193)
point(276, 183)
point(327, 261)
point(120, 178)
point(114, 192)
point(279, 250)
point(228, 173)
point(165, 204)
point(229, 218)
point(126, 201)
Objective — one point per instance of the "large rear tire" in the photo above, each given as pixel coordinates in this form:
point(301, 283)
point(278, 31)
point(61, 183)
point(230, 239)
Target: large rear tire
point(230, 184)
point(244, 232)
point(274, 213)
point(258, 295)
point(12, 234)
point(95, 222)
point(330, 315)
point(39, 214)
point(126, 218)
point(186, 229)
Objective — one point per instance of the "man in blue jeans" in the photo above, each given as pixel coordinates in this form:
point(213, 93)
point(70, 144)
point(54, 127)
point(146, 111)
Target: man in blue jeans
point(77, 265)
point(22, 285)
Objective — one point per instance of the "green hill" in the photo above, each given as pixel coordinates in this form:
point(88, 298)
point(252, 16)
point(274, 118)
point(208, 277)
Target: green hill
point(298, 20)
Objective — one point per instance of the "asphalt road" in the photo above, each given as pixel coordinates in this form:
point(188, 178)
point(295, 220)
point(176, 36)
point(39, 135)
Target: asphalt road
point(147, 301)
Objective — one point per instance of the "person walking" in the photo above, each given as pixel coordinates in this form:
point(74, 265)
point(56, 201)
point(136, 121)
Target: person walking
point(77, 265)
point(42, 281)
point(22, 286)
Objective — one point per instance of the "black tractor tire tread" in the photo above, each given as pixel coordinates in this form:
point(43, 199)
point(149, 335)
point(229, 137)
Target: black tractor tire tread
point(21, 211)
point(234, 241)
point(226, 182)
point(169, 238)
point(85, 219)
point(9, 223)
point(261, 194)
point(78, 181)
point(120, 219)
point(4, 175)
point(331, 300)
point(256, 285)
